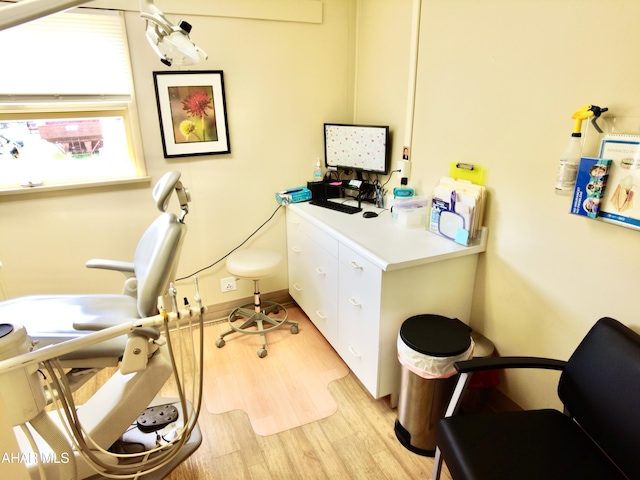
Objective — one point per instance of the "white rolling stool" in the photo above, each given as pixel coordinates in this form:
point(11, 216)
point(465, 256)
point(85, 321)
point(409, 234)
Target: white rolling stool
point(255, 264)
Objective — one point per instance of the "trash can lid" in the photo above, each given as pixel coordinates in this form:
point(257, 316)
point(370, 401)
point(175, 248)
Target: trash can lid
point(436, 335)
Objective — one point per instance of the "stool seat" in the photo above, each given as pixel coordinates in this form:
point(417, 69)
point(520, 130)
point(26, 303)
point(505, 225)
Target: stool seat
point(254, 263)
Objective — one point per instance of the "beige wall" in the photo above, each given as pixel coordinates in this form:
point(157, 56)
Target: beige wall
point(497, 83)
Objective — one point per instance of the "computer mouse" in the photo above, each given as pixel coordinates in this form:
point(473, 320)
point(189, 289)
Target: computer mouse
point(369, 214)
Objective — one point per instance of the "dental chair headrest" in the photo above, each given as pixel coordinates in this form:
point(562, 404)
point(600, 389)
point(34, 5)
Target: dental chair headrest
point(162, 193)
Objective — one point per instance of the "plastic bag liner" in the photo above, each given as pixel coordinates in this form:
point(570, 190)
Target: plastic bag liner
point(427, 366)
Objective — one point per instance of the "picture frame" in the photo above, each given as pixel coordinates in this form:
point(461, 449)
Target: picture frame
point(192, 112)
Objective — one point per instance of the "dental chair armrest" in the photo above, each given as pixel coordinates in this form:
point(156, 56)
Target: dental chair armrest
point(115, 265)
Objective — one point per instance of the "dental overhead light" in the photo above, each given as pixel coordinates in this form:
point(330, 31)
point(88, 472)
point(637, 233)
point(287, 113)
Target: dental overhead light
point(170, 42)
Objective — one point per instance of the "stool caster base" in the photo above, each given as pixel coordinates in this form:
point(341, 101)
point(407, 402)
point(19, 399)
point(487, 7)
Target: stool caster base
point(257, 323)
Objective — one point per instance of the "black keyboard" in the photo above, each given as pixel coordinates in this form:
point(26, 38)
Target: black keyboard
point(338, 207)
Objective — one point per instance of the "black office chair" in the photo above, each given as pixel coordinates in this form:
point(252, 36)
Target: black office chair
point(598, 437)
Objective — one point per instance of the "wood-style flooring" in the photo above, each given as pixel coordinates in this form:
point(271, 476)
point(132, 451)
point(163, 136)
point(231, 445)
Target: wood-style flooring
point(356, 442)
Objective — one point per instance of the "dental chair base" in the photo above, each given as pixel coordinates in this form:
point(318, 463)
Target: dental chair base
point(107, 418)
point(131, 439)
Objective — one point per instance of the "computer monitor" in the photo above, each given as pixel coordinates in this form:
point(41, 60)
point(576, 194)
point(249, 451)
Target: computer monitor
point(364, 148)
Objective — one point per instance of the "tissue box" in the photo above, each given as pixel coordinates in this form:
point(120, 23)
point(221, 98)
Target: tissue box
point(293, 195)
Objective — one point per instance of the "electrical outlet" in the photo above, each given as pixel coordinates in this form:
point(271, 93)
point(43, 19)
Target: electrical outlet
point(228, 284)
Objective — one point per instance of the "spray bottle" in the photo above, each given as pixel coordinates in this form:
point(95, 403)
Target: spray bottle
point(570, 158)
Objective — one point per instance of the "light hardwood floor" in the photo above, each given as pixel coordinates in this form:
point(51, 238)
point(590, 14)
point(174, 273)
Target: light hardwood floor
point(357, 442)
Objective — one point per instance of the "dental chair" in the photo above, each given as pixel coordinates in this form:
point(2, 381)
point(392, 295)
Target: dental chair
point(143, 358)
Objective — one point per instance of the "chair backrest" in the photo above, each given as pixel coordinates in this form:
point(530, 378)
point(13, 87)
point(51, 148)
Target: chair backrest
point(600, 387)
point(156, 260)
point(158, 252)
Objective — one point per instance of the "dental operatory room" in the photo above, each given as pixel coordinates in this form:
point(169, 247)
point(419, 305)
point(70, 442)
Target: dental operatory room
point(319, 239)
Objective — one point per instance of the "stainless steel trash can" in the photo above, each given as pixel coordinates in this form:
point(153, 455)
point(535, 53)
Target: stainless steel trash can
point(428, 345)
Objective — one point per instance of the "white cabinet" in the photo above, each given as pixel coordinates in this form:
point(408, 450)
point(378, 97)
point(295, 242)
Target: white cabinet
point(358, 279)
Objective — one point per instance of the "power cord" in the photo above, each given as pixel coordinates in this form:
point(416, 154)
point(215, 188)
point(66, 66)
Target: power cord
point(233, 250)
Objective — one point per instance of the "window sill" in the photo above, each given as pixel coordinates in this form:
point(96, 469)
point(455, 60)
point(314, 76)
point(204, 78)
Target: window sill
point(73, 186)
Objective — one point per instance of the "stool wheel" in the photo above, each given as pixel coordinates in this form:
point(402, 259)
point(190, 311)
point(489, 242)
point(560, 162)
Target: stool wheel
point(220, 342)
point(294, 329)
point(262, 352)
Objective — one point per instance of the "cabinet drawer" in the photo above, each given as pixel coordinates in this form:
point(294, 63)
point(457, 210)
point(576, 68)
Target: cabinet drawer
point(362, 278)
point(324, 316)
point(296, 223)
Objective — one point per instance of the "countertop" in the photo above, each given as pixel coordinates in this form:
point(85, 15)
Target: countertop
point(382, 240)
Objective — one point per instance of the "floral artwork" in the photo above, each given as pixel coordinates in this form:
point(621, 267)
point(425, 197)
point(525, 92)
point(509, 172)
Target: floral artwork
point(193, 114)
point(192, 111)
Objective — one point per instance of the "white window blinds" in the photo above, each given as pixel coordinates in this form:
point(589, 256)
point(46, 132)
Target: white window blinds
point(78, 53)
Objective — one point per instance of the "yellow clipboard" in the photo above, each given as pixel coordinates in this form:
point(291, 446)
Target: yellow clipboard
point(467, 171)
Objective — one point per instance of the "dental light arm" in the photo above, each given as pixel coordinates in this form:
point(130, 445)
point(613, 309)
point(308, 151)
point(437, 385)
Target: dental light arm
point(28, 10)
point(170, 42)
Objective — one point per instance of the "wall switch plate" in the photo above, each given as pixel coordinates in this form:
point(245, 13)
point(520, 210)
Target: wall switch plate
point(228, 284)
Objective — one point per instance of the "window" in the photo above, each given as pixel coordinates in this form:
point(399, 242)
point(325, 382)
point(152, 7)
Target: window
point(67, 112)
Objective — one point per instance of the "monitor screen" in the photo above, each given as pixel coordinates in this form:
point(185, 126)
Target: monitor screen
point(357, 147)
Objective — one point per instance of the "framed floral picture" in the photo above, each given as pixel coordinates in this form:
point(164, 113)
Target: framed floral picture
point(193, 113)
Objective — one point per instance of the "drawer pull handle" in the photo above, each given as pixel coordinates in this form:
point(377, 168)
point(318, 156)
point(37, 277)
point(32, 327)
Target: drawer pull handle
point(295, 249)
point(355, 265)
point(320, 271)
point(353, 352)
point(297, 287)
point(354, 302)
point(321, 315)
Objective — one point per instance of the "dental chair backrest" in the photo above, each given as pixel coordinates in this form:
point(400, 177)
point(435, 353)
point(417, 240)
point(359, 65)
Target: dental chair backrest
point(158, 252)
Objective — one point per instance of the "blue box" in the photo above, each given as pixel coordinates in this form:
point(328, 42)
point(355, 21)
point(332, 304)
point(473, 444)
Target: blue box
point(590, 184)
point(293, 195)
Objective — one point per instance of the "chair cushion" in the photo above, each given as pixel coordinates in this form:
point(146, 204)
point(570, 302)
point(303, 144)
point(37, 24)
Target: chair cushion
point(52, 319)
point(254, 263)
point(528, 445)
